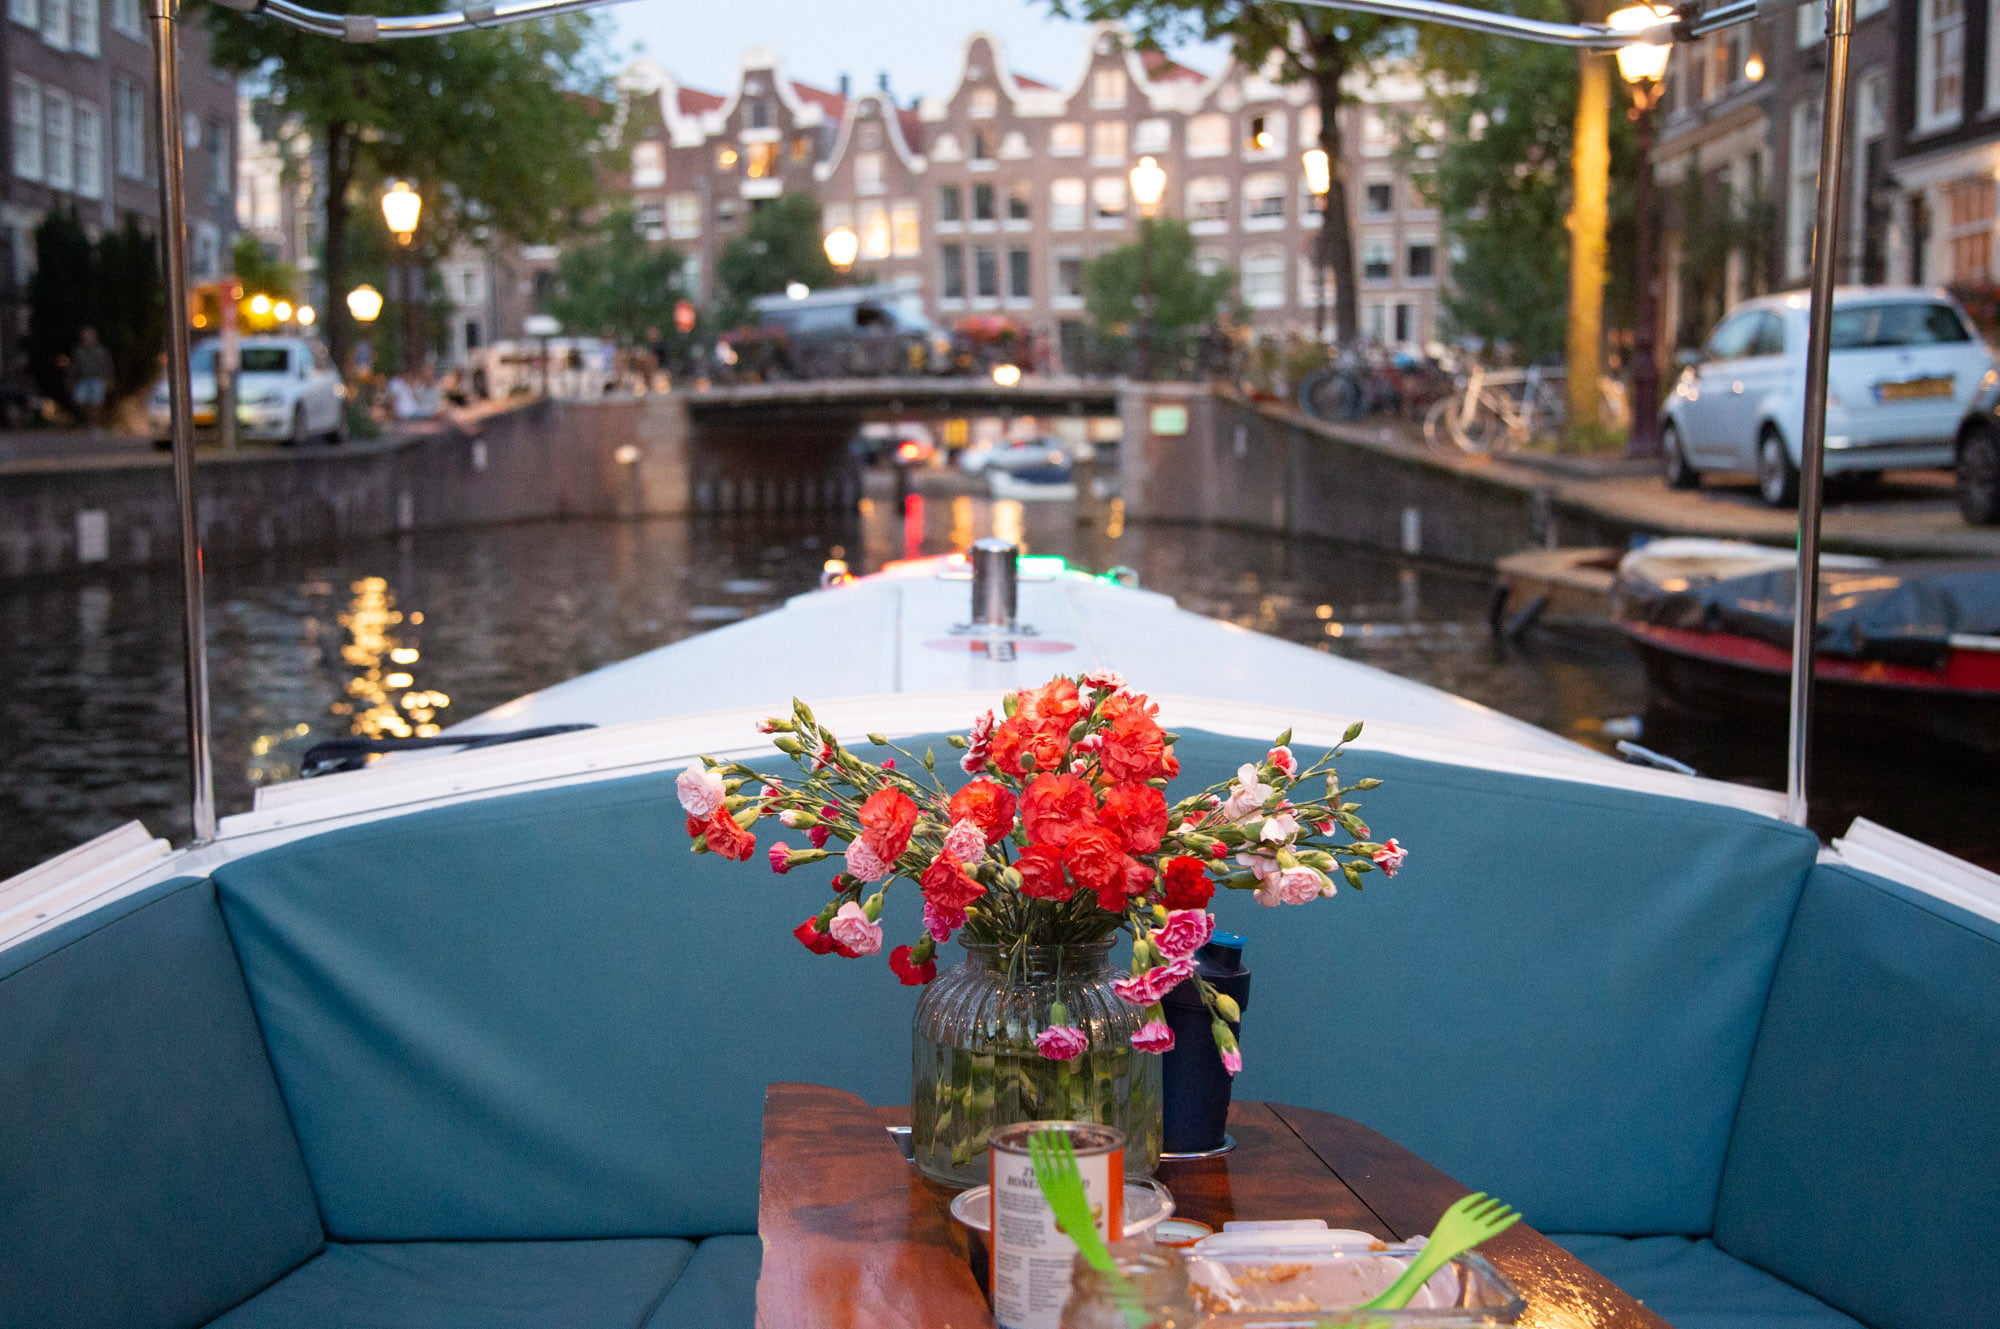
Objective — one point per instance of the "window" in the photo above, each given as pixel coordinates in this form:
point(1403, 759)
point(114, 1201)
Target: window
point(130, 127)
point(691, 276)
point(220, 187)
point(1107, 142)
point(205, 252)
point(1020, 197)
point(1377, 258)
point(1107, 87)
point(1264, 201)
point(1208, 199)
point(1803, 196)
point(951, 205)
point(760, 113)
point(1069, 278)
point(55, 137)
point(1968, 219)
point(874, 231)
point(1376, 141)
point(649, 164)
point(683, 216)
point(1406, 322)
point(1734, 338)
point(985, 104)
point(55, 24)
point(945, 148)
point(1066, 140)
point(1066, 204)
point(125, 18)
point(867, 170)
point(27, 128)
point(802, 147)
point(1208, 136)
point(1312, 207)
point(82, 26)
point(1152, 136)
point(906, 230)
point(725, 158)
point(1107, 193)
point(26, 12)
point(1940, 63)
point(89, 127)
point(1811, 20)
point(191, 131)
point(1018, 284)
point(1770, 336)
point(982, 146)
point(726, 210)
point(952, 262)
point(986, 273)
point(1263, 280)
point(1420, 260)
point(1265, 136)
point(1903, 323)
point(649, 221)
point(761, 159)
point(982, 203)
point(1378, 197)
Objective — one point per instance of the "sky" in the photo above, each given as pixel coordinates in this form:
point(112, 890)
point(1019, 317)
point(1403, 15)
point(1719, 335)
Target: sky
point(918, 42)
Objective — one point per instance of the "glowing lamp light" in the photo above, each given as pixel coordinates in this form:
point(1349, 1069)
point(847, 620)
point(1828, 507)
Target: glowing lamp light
point(1753, 68)
point(282, 311)
point(401, 205)
point(365, 303)
point(260, 305)
point(1149, 183)
point(1007, 376)
point(843, 246)
point(797, 290)
point(1641, 62)
point(1319, 171)
point(305, 315)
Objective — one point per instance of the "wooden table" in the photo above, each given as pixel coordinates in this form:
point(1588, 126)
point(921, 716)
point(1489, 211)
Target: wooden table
point(855, 1238)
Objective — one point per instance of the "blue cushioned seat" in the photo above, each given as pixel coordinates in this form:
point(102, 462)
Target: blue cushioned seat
point(617, 1284)
point(1693, 1285)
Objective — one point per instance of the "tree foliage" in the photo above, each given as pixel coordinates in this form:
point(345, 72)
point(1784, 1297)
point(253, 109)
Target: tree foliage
point(782, 245)
point(494, 127)
point(261, 274)
point(617, 284)
point(1183, 295)
point(112, 284)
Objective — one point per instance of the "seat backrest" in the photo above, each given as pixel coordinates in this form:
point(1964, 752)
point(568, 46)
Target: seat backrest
point(1554, 1000)
point(148, 1173)
point(1865, 1167)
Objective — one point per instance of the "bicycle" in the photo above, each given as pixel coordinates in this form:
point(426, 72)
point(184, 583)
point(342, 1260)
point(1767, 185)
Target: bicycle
point(1497, 411)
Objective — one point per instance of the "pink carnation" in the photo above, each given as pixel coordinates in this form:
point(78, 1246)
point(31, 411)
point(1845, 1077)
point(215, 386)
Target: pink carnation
point(767, 726)
point(1390, 857)
point(1104, 680)
point(865, 863)
point(855, 931)
point(1154, 1036)
point(966, 842)
point(1185, 932)
point(701, 791)
point(1061, 1042)
point(979, 744)
point(819, 835)
point(1282, 758)
point(1292, 886)
point(1232, 1061)
point(781, 858)
point(941, 920)
point(1147, 988)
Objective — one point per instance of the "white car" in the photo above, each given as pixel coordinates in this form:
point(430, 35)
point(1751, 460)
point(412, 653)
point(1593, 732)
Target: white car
point(1905, 365)
point(287, 391)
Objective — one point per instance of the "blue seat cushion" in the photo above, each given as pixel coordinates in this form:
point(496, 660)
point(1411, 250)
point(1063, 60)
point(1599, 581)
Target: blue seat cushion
point(1692, 1284)
point(1866, 1163)
point(148, 1172)
point(594, 1284)
point(719, 1287)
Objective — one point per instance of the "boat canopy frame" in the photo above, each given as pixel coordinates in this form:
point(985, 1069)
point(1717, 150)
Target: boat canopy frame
point(1689, 20)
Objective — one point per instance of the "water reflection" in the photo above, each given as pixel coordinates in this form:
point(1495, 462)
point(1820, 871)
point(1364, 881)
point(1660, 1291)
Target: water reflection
point(399, 636)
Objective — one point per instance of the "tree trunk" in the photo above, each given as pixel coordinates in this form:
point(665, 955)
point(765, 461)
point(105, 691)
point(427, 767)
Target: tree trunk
point(1336, 234)
point(339, 139)
point(1589, 219)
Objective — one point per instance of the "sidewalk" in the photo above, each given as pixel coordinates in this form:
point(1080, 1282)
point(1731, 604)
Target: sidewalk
point(68, 444)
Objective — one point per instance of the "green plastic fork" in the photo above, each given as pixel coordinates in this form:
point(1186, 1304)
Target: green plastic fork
point(1062, 1186)
point(1474, 1219)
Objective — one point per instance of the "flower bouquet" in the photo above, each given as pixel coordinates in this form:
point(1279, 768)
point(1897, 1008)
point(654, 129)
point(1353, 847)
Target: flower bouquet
point(1062, 839)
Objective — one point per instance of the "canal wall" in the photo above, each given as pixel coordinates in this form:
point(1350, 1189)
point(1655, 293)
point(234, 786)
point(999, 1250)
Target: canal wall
point(624, 457)
point(1201, 454)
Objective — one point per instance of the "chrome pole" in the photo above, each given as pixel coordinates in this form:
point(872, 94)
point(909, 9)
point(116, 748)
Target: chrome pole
point(173, 244)
point(1812, 445)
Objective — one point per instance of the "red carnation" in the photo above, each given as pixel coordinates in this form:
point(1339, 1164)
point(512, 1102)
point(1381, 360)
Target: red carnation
point(1135, 747)
point(1137, 814)
point(887, 819)
point(913, 975)
point(1054, 705)
point(809, 935)
point(1188, 886)
point(725, 837)
point(1020, 736)
point(1041, 872)
point(988, 806)
point(1139, 878)
point(947, 883)
point(697, 830)
point(1097, 861)
point(1056, 807)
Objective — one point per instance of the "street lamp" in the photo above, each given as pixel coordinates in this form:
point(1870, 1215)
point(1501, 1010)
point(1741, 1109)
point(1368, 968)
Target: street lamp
point(365, 303)
point(843, 246)
point(1149, 185)
point(1319, 183)
point(401, 206)
point(1643, 66)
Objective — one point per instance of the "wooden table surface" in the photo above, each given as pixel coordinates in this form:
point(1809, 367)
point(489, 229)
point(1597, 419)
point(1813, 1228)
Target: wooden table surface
point(856, 1238)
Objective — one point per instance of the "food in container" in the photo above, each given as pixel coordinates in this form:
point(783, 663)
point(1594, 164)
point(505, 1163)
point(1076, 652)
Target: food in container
point(1304, 1279)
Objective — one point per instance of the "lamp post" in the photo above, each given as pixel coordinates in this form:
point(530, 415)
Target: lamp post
point(1149, 185)
point(843, 246)
point(1319, 182)
point(401, 206)
point(1643, 66)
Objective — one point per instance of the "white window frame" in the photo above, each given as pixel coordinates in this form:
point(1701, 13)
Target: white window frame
point(872, 225)
point(1259, 192)
point(1208, 202)
point(1110, 143)
point(868, 173)
point(1108, 87)
point(1261, 279)
point(87, 129)
point(1208, 135)
point(1068, 139)
point(126, 18)
point(1058, 296)
point(25, 113)
point(1069, 204)
point(55, 25)
point(1155, 135)
point(1380, 243)
point(26, 13)
point(1931, 34)
point(57, 162)
point(649, 164)
point(1811, 20)
point(1109, 203)
point(128, 132)
point(906, 228)
point(83, 27)
point(1412, 239)
point(1802, 187)
point(984, 104)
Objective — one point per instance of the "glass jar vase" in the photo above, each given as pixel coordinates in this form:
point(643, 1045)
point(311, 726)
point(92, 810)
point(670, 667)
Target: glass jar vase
point(974, 1066)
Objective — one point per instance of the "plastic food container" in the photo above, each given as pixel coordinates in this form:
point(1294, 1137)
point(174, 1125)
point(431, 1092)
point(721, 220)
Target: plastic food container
point(1306, 1278)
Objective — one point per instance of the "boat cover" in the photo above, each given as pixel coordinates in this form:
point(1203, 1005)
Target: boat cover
point(1904, 613)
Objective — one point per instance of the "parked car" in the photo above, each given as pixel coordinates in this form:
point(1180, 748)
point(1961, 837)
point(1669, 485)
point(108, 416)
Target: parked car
point(1043, 452)
point(1904, 370)
point(854, 331)
point(1978, 455)
point(287, 391)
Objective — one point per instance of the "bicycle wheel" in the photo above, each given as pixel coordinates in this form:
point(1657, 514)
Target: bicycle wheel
point(1330, 395)
point(1436, 426)
point(1489, 428)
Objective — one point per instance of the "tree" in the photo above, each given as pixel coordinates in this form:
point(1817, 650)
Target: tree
point(617, 283)
point(495, 127)
point(60, 294)
point(1318, 47)
point(1183, 295)
point(112, 284)
point(262, 274)
point(782, 245)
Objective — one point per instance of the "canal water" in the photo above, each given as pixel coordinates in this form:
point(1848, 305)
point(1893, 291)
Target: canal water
point(404, 635)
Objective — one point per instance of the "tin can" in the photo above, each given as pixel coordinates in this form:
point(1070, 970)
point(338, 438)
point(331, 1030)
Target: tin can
point(1031, 1255)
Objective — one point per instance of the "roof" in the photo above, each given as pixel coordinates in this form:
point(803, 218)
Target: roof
point(1034, 83)
point(912, 125)
point(1162, 68)
point(693, 101)
point(832, 103)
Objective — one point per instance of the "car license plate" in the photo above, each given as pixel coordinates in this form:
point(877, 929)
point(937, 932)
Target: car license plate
point(1913, 389)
